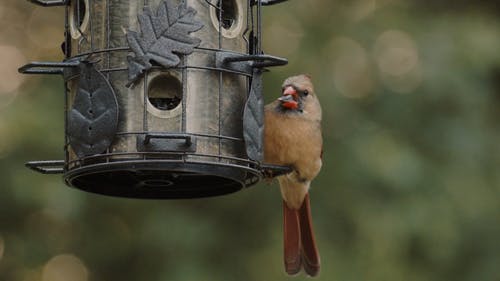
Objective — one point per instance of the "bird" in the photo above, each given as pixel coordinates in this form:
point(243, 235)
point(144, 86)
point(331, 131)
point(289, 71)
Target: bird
point(292, 137)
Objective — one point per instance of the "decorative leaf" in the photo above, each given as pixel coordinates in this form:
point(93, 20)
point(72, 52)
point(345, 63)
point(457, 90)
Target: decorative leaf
point(164, 37)
point(253, 119)
point(93, 119)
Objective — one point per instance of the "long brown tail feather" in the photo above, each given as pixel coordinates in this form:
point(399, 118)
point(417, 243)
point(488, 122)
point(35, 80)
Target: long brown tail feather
point(291, 235)
point(310, 254)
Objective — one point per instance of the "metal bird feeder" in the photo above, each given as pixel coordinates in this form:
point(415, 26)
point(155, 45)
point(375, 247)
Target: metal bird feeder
point(163, 98)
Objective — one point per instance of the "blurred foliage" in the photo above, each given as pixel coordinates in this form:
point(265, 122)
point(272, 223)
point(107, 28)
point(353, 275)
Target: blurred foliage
point(410, 188)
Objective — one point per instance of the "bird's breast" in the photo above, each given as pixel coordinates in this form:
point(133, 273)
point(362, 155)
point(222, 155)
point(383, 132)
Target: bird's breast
point(291, 140)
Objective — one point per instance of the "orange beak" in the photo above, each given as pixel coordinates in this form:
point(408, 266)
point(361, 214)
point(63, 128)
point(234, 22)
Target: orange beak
point(289, 98)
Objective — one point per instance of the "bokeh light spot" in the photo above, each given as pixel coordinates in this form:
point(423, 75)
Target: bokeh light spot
point(360, 9)
point(395, 52)
point(351, 68)
point(65, 268)
point(11, 59)
point(283, 36)
point(403, 84)
point(44, 28)
point(396, 55)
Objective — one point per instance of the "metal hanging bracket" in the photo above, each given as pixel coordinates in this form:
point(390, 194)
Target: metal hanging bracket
point(268, 2)
point(47, 167)
point(47, 67)
point(49, 3)
point(271, 171)
point(245, 63)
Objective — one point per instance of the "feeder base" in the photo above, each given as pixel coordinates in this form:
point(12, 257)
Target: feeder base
point(162, 179)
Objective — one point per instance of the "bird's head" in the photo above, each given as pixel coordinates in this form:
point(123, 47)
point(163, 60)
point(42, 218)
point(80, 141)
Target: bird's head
point(298, 94)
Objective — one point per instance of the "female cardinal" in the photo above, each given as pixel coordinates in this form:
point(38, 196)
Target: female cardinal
point(292, 137)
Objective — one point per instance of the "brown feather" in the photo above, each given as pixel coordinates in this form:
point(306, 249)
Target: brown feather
point(291, 239)
point(310, 254)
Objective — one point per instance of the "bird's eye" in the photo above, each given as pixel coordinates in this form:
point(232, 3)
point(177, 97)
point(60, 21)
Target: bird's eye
point(306, 92)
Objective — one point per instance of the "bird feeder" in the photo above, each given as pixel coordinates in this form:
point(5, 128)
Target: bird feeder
point(163, 98)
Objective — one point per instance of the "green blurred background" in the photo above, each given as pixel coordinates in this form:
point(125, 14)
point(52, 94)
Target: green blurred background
point(410, 187)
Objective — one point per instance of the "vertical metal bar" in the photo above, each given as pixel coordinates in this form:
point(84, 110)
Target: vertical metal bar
point(219, 115)
point(184, 97)
point(259, 26)
point(74, 5)
point(220, 23)
point(220, 80)
point(145, 107)
point(108, 36)
point(145, 111)
point(145, 115)
point(247, 27)
point(108, 57)
point(145, 98)
point(247, 41)
point(253, 30)
point(77, 7)
point(67, 35)
point(184, 94)
point(184, 88)
point(90, 26)
point(66, 89)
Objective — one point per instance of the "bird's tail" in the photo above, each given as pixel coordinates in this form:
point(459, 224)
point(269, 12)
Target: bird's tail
point(300, 245)
point(291, 239)
point(310, 254)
